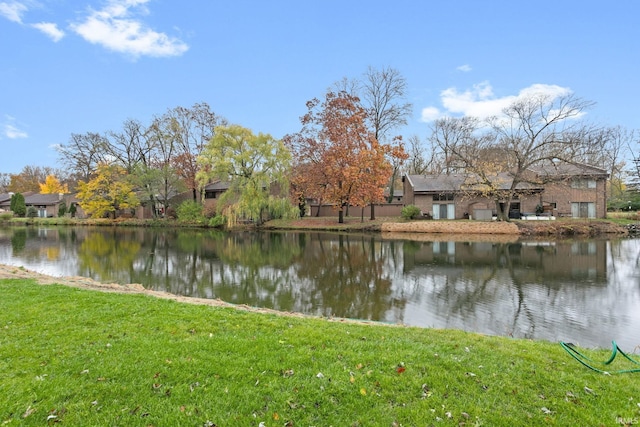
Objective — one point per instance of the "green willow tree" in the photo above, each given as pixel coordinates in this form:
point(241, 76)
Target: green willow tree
point(256, 168)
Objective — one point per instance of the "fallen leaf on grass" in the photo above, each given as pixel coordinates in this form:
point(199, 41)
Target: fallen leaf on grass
point(363, 391)
point(546, 410)
point(288, 373)
point(28, 412)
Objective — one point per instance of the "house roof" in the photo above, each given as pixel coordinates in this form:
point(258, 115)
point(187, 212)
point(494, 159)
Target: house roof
point(42, 199)
point(565, 169)
point(457, 182)
point(217, 186)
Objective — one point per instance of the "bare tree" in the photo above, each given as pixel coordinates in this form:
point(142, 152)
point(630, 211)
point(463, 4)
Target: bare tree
point(531, 131)
point(83, 153)
point(5, 180)
point(192, 128)
point(384, 95)
point(456, 142)
point(422, 159)
point(128, 146)
point(607, 149)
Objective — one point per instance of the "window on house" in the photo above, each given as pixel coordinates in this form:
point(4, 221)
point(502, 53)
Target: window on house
point(583, 183)
point(210, 195)
point(443, 197)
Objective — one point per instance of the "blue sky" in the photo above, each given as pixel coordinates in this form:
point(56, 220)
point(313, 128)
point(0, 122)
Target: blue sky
point(87, 66)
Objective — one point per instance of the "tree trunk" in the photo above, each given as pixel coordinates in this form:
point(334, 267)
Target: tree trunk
point(341, 216)
point(373, 213)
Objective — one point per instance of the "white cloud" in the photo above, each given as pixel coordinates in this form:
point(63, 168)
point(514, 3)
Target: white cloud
point(50, 29)
point(464, 68)
point(430, 114)
point(10, 130)
point(13, 10)
point(116, 28)
point(481, 102)
point(13, 132)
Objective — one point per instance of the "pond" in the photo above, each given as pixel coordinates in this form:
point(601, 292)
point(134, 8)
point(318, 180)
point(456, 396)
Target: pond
point(583, 291)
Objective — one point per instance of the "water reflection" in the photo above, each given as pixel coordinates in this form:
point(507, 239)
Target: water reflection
point(584, 291)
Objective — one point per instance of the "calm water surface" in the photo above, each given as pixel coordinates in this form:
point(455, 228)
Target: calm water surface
point(583, 291)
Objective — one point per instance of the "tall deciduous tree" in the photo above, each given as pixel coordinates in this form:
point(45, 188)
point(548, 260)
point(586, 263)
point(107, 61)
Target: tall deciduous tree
point(338, 159)
point(383, 94)
point(29, 179)
point(128, 147)
point(52, 185)
point(107, 193)
point(82, 154)
point(532, 130)
point(253, 165)
point(191, 129)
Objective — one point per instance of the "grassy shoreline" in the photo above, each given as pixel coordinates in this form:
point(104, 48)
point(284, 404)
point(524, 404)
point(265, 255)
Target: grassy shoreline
point(81, 357)
point(561, 227)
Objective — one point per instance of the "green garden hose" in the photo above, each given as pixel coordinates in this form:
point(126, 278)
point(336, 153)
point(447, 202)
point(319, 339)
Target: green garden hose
point(584, 360)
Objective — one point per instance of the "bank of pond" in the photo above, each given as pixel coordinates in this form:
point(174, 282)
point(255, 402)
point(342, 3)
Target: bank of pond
point(579, 290)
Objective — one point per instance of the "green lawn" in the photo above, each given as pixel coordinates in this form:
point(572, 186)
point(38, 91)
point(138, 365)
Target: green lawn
point(86, 358)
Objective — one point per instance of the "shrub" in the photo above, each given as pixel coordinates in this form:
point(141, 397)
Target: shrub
point(72, 210)
point(190, 212)
point(62, 210)
point(410, 212)
point(32, 212)
point(6, 216)
point(217, 221)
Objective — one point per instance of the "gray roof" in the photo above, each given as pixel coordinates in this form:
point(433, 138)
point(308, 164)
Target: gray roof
point(217, 186)
point(564, 169)
point(459, 182)
point(42, 199)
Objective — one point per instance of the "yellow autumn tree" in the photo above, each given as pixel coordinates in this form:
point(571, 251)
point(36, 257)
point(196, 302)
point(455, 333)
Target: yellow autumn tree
point(107, 193)
point(52, 185)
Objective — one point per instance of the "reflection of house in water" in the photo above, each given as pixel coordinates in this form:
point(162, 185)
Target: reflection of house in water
point(546, 262)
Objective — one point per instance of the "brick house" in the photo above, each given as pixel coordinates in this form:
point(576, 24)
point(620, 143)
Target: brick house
point(212, 193)
point(46, 205)
point(553, 189)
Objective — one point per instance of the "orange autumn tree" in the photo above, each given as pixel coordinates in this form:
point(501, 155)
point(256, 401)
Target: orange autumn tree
point(337, 158)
